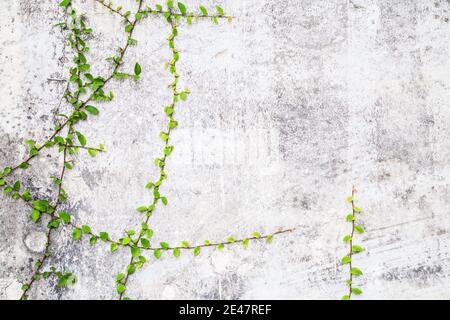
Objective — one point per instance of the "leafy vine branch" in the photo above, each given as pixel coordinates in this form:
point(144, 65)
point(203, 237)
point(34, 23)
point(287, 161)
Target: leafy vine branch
point(84, 89)
point(352, 248)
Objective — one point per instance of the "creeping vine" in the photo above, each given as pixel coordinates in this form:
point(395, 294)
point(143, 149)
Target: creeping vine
point(352, 248)
point(82, 91)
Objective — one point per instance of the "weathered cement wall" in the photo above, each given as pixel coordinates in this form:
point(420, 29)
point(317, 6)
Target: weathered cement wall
point(291, 105)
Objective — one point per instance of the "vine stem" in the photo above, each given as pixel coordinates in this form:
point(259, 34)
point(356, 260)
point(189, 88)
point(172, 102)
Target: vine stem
point(170, 15)
point(132, 258)
point(57, 131)
point(350, 284)
point(114, 10)
point(49, 232)
point(84, 147)
point(80, 105)
point(163, 12)
point(190, 247)
point(61, 127)
point(39, 268)
point(191, 15)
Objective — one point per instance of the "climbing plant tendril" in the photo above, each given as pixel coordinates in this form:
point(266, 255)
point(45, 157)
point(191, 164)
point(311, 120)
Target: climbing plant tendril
point(82, 91)
point(352, 248)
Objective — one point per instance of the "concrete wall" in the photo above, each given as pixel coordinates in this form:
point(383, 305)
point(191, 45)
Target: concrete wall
point(291, 105)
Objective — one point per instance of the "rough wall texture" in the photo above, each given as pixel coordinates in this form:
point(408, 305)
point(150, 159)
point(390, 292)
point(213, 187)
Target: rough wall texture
point(291, 105)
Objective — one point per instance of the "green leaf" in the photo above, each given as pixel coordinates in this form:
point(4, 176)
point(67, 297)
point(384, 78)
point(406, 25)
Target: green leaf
point(350, 217)
point(183, 95)
point(125, 241)
point(137, 69)
point(92, 152)
point(164, 136)
point(53, 224)
point(168, 110)
point(121, 288)
point(131, 269)
point(128, 28)
point(220, 246)
point(64, 3)
point(349, 199)
point(346, 297)
point(24, 165)
point(34, 152)
point(16, 186)
point(145, 243)
point(84, 67)
point(64, 216)
point(173, 124)
point(120, 277)
point(92, 110)
point(35, 214)
point(164, 245)
point(76, 234)
point(59, 140)
point(68, 165)
point(357, 209)
point(203, 10)
point(256, 235)
point(182, 8)
point(176, 252)
point(81, 138)
point(356, 291)
point(346, 260)
point(142, 209)
point(347, 238)
point(86, 229)
point(245, 243)
point(196, 251)
point(219, 11)
point(356, 272)
point(168, 150)
point(93, 240)
point(135, 252)
point(26, 196)
point(62, 282)
point(164, 200)
point(357, 249)
point(41, 205)
point(157, 253)
point(104, 236)
point(114, 246)
point(359, 229)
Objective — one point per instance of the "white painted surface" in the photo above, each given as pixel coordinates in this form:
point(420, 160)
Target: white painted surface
point(291, 104)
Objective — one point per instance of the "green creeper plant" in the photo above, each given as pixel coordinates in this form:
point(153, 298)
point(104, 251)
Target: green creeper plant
point(353, 248)
point(82, 91)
